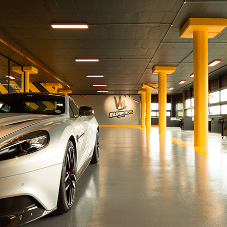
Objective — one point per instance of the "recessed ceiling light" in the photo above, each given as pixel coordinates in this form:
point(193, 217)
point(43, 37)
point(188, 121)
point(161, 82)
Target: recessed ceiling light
point(102, 91)
point(147, 85)
point(11, 77)
point(99, 85)
point(192, 75)
point(171, 88)
point(215, 62)
point(69, 25)
point(182, 81)
point(86, 59)
point(94, 75)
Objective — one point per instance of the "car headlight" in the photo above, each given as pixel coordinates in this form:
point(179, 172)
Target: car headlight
point(24, 145)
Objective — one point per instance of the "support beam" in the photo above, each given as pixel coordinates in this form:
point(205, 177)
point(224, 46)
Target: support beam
point(200, 29)
point(143, 103)
point(65, 92)
point(162, 71)
point(28, 70)
point(148, 105)
point(18, 69)
point(52, 86)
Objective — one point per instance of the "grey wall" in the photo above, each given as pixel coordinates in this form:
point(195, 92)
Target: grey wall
point(103, 105)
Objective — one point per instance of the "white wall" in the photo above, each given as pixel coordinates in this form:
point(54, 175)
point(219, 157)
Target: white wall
point(105, 107)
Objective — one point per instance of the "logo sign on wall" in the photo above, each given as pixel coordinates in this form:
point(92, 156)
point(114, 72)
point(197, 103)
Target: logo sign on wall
point(121, 109)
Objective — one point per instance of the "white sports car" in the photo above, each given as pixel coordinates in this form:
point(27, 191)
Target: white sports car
point(46, 142)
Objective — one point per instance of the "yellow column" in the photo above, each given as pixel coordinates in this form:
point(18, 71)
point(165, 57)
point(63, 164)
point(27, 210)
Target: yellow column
point(28, 70)
point(148, 109)
point(18, 69)
point(200, 56)
point(65, 92)
point(200, 29)
point(162, 102)
point(143, 103)
point(162, 71)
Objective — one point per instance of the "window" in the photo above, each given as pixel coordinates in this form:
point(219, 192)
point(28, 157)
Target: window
point(154, 106)
point(168, 113)
point(214, 110)
point(188, 103)
point(214, 97)
point(168, 106)
point(223, 95)
point(189, 113)
point(223, 109)
point(192, 102)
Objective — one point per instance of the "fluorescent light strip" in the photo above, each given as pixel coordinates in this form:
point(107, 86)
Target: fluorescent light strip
point(171, 88)
point(86, 59)
point(94, 75)
point(147, 85)
point(192, 75)
point(102, 91)
point(182, 81)
point(99, 85)
point(69, 25)
point(215, 62)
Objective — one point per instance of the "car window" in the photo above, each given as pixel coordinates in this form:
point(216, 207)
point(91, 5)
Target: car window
point(32, 103)
point(74, 107)
point(71, 112)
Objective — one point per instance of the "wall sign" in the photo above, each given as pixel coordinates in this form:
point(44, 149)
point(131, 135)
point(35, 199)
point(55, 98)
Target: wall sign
point(121, 109)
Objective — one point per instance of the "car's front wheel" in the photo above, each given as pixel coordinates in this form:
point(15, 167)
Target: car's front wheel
point(67, 189)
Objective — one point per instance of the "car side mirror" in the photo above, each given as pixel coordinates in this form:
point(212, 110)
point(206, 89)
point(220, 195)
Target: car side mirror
point(86, 111)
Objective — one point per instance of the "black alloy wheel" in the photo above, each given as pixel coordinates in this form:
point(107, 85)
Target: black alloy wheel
point(67, 190)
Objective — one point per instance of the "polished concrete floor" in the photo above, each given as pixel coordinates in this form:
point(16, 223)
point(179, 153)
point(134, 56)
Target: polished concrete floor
point(145, 180)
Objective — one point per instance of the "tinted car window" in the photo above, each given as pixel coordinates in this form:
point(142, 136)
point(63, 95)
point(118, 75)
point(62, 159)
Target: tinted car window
point(32, 103)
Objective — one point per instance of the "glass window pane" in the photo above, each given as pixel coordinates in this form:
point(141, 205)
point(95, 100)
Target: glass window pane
point(223, 95)
point(223, 109)
point(154, 106)
point(192, 102)
point(188, 103)
point(168, 106)
point(214, 110)
point(214, 97)
point(168, 113)
point(192, 112)
point(188, 113)
point(153, 114)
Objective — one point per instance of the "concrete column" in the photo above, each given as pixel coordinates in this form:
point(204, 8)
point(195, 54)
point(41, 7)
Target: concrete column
point(200, 29)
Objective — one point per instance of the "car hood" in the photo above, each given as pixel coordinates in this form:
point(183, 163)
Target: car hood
point(12, 122)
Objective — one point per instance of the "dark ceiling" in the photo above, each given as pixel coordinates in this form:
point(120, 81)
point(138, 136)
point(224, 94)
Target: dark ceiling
point(129, 37)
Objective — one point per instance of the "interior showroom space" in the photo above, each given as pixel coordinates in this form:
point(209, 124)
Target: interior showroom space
point(113, 113)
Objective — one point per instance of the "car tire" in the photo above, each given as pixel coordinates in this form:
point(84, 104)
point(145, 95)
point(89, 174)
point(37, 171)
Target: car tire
point(95, 156)
point(67, 188)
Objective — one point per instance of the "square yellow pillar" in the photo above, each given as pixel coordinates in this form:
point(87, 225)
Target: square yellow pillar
point(143, 103)
point(162, 72)
point(65, 92)
point(200, 29)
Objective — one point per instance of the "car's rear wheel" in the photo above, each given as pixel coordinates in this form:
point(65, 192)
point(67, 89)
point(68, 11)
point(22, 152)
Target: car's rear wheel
point(67, 189)
point(95, 157)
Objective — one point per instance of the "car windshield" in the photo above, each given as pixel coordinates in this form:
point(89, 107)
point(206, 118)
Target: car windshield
point(32, 103)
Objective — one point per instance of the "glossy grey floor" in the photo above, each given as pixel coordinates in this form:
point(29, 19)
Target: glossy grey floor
point(145, 180)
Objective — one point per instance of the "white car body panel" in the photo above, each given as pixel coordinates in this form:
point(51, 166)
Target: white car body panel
point(38, 174)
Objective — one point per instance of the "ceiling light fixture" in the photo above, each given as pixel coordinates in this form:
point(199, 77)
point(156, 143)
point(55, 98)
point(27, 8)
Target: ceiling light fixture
point(99, 85)
point(171, 88)
point(69, 25)
point(11, 77)
point(147, 85)
point(215, 62)
point(94, 75)
point(192, 75)
point(182, 81)
point(102, 91)
point(86, 59)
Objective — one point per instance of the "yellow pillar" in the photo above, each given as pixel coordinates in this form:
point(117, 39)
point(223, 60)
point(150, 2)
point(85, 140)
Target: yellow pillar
point(162, 94)
point(18, 69)
point(143, 103)
point(200, 29)
point(28, 70)
point(65, 92)
point(148, 109)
